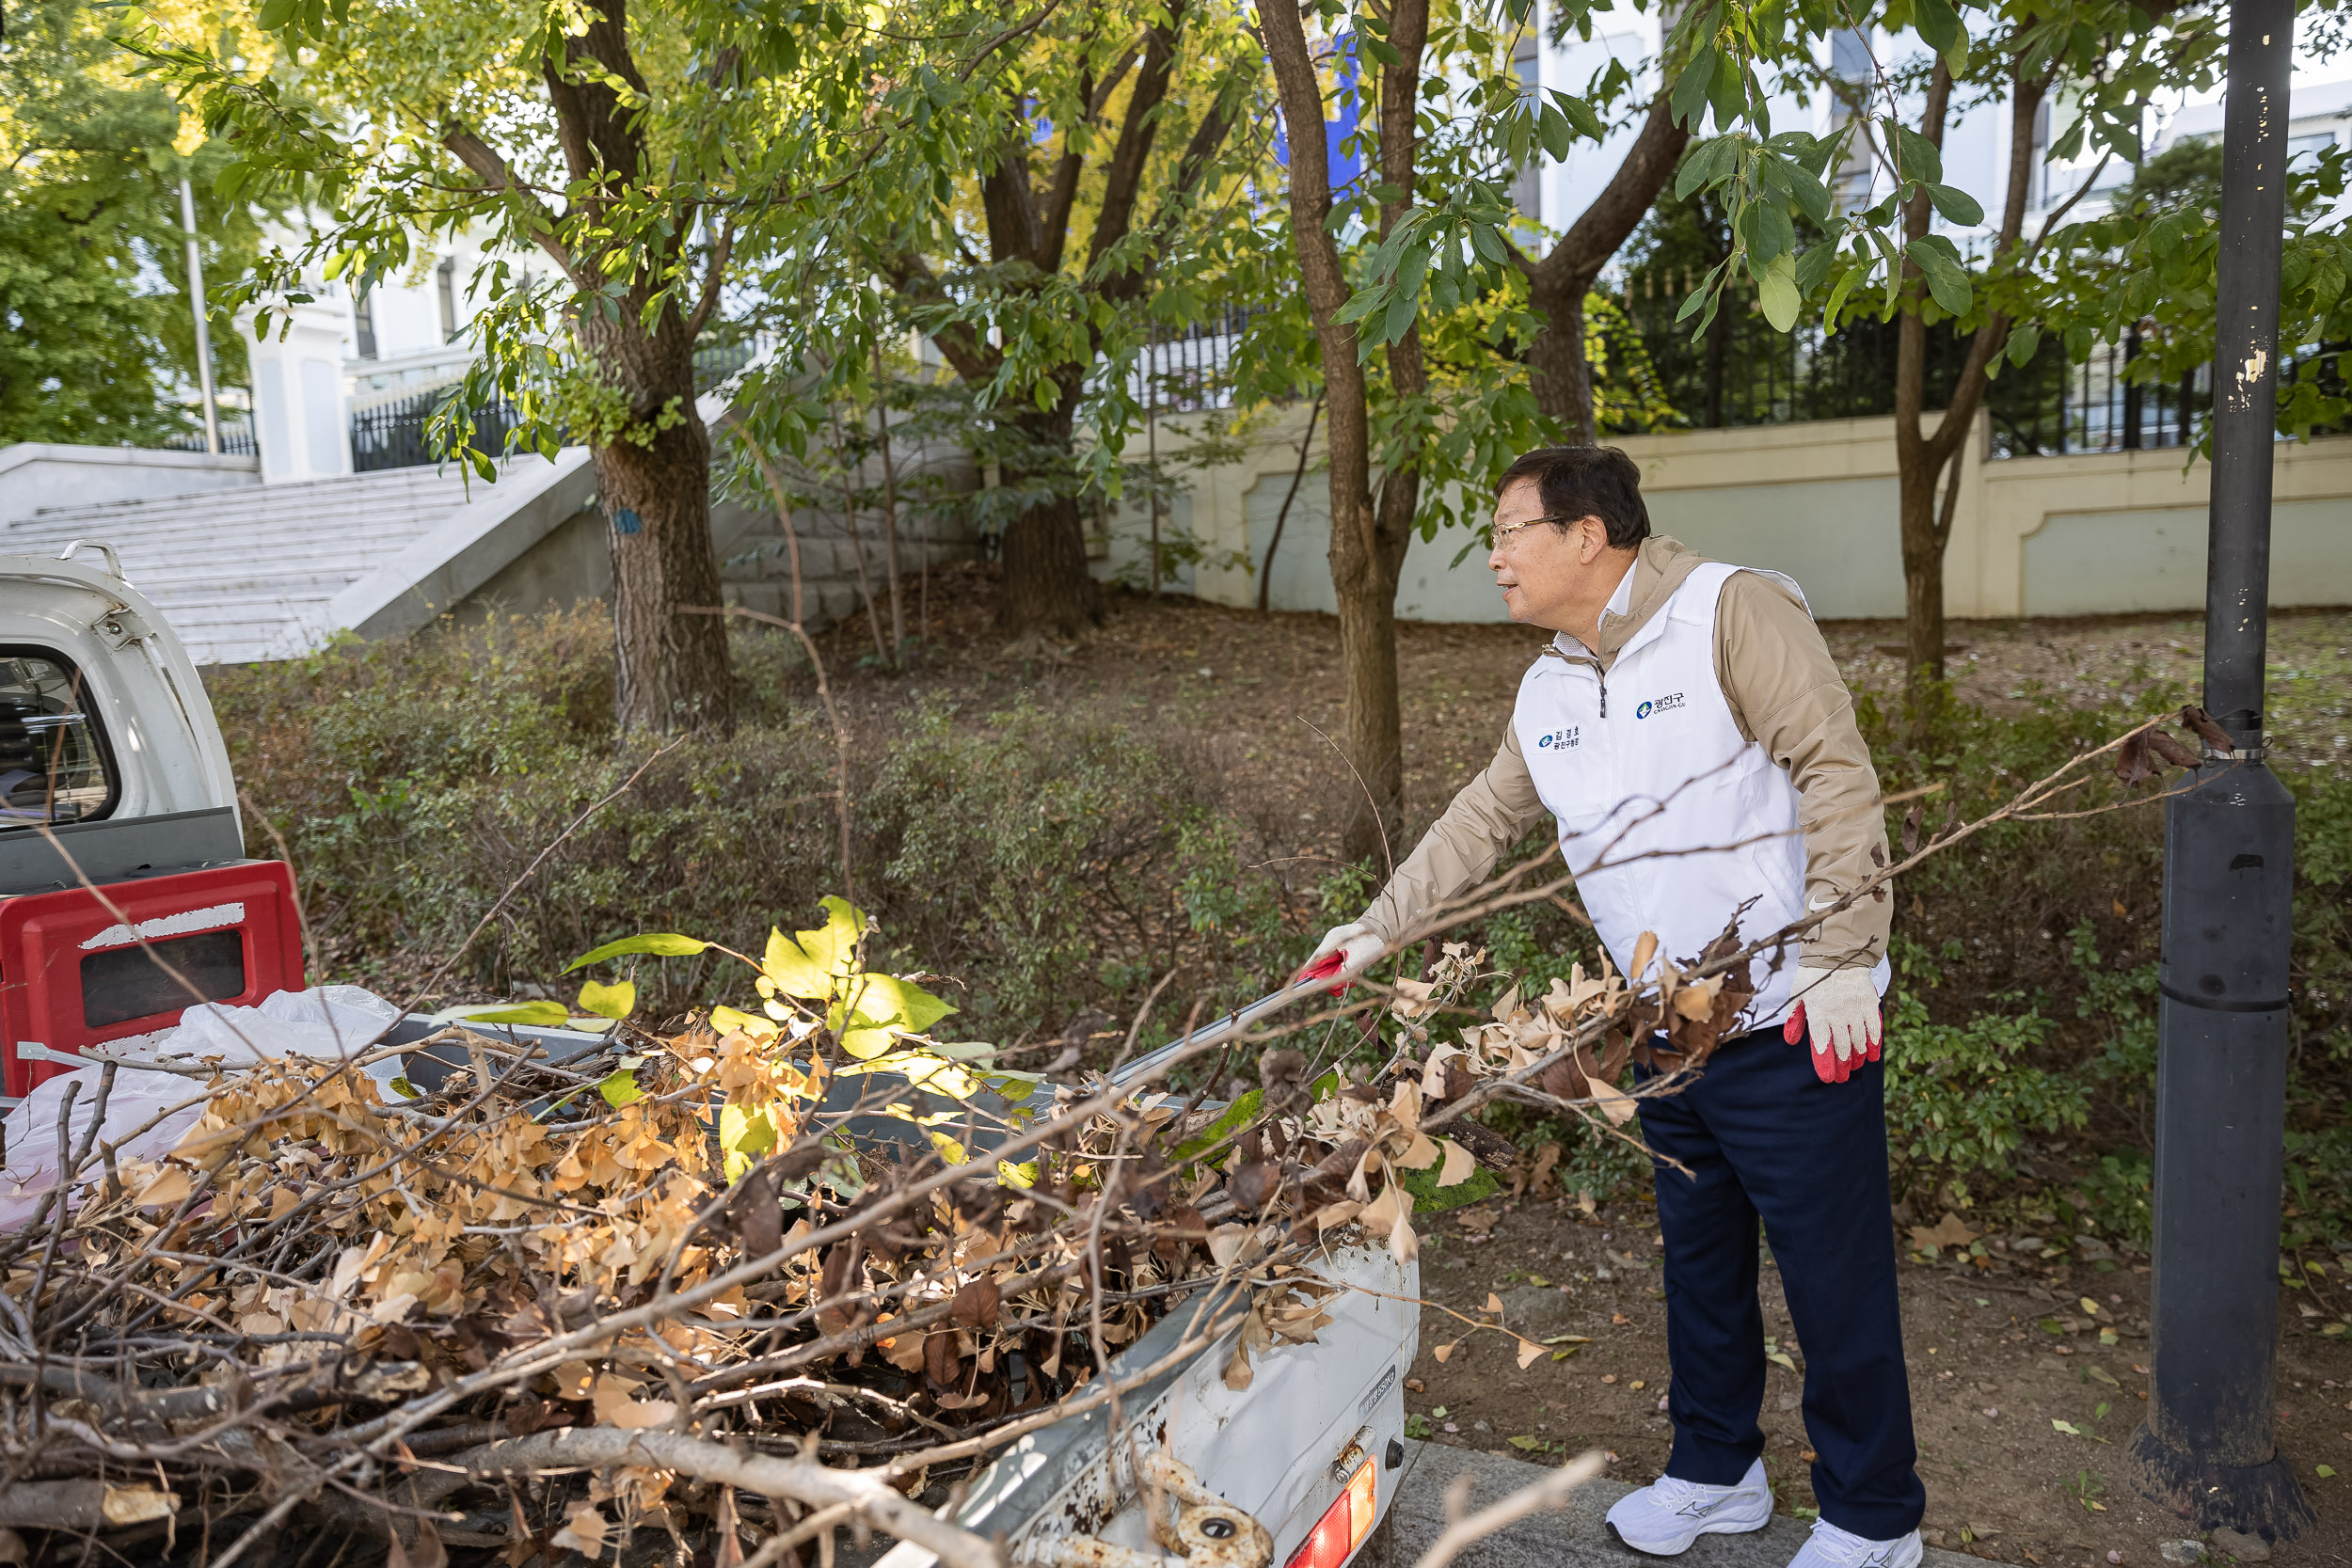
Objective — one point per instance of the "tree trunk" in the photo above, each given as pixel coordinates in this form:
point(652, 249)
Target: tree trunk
point(1364, 572)
point(890, 510)
point(1367, 542)
point(1559, 373)
point(669, 670)
point(1047, 585)
point(1923, 572)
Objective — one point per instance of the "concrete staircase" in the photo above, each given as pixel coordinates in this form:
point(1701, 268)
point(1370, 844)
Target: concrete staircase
point(249, 573)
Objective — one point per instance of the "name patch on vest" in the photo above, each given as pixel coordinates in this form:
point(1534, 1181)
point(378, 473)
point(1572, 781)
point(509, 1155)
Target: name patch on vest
point(1659, 704)
point(1557, 739)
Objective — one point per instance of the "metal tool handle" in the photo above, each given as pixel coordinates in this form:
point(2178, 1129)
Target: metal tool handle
point(1311, 979)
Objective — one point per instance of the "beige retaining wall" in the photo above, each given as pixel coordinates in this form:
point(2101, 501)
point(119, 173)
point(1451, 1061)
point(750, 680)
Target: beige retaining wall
point(2096, 533)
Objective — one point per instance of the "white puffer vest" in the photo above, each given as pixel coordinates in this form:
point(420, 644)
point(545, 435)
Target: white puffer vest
point(1669, 817)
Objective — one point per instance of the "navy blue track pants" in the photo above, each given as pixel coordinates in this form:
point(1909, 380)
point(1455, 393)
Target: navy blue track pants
point(1764, 1138)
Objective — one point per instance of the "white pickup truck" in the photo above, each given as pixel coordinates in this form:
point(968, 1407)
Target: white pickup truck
point(121, 842)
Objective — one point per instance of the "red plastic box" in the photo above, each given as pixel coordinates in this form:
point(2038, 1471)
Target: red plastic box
point(77, 969)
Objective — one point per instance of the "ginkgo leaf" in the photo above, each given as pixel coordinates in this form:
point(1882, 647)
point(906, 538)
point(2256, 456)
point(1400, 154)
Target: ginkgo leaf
point(901, 1004)
point(1458, 1164)
point(789, 969)
point(744, 1135)
point(729, 1020)
point(621, 1090)
point(584, 1532)
point(1529, 1353)
point(614, 1001)
point(1494, 1303)
point(832, 946)
point(1645, 949)
point(661, 943)
point(613, 1407)
point(1445, 1353)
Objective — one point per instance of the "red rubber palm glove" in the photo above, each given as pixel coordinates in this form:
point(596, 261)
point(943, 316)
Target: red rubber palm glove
point(1839, 1011)
point(1323, 968)
point(1346, 951)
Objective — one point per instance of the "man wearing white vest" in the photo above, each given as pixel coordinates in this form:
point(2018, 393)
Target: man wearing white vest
point(1690, 733)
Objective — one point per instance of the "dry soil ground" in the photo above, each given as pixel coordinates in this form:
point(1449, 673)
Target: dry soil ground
point(1998, 1359)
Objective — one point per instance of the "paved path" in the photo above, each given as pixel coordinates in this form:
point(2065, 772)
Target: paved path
point(1574, 1539)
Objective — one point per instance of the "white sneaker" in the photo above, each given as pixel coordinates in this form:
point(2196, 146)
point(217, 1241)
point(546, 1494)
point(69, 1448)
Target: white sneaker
point(1665, 1517)
point(1831, 1547)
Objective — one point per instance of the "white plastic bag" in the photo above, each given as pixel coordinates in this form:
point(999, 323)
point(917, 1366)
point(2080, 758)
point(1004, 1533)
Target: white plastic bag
point(149, 1112)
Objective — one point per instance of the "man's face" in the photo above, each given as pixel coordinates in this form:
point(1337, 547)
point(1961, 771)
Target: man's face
point(1543, 570)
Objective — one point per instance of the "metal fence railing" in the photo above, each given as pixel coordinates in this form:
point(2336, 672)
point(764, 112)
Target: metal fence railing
point(1185, 368)
point(1741, 372)
point(236, 440)
point(392, 435)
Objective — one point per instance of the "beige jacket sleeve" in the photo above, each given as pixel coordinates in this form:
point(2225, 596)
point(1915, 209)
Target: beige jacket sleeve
point(1460, 848)
point(1787, 695)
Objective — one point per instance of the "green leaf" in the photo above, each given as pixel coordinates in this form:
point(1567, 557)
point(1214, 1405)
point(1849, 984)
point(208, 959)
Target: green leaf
point(275, 14)
point(620, 1089)
point(1712, 161)
point(1915, 157)
point(1947, 279)
point(1526, 1444)
point(1553, 130)
point(614, 1001)
point(1691, 87)
point(1379, 49)
point(1430, 1199)
point(1939, 26)
point(1956, 205)
point(1580, 116)
point(2024, 338)
point(2067, 1427)
point(1809, 193)
point(1728, 92)
point(668, 944)
point(2326, 1472)
point(1812, 266)
point(1777, 292)
point(533, 1015)
point(1846, 281)
point(1402, 310)
point(1240, 1114)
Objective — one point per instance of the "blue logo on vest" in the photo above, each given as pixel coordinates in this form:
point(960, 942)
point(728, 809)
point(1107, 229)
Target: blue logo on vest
point(1663, 705)
point(1559, 739)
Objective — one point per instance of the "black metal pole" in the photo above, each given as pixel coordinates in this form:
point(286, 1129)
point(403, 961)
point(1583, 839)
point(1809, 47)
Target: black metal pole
point(2207, 1449)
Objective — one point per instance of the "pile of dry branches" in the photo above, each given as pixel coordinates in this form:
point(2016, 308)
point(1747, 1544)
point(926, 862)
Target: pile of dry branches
point(666, 1286)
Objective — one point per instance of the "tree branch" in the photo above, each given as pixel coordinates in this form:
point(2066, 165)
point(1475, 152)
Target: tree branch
point(712, 275)
point(1124, 175)
point(489, 167)
point(803, 1481)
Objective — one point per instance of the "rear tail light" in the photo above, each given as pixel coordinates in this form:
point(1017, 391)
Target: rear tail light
point(1343, 1525)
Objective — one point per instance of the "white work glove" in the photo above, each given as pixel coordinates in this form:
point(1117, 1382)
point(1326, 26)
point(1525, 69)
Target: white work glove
point(1356, 947)
point(1839, 1009)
